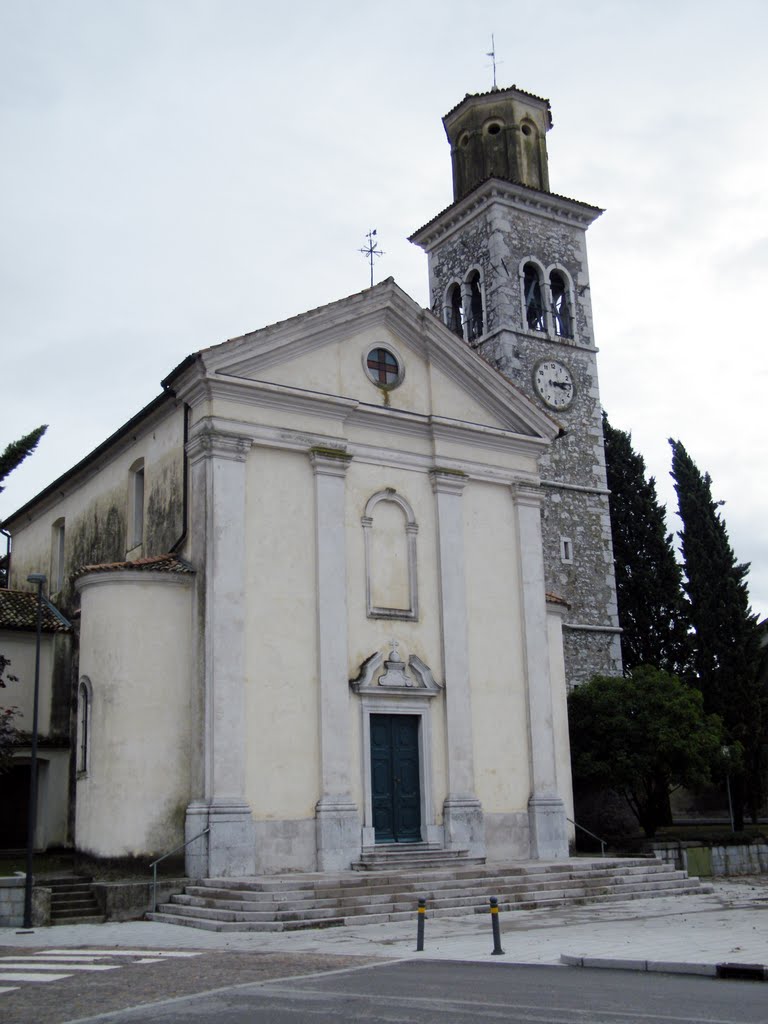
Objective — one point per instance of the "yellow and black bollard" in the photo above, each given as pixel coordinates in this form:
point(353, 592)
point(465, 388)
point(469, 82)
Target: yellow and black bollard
point(420, 926)
point(495, 924)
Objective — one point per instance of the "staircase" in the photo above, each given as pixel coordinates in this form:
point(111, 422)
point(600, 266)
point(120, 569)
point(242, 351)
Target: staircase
point(376, 892)
point(72, 900)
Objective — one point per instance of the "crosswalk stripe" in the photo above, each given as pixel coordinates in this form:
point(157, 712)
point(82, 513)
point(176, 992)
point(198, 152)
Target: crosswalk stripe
point(117, 952)
point(65, 957)
point(23, 964)
point(47, 965)
point(20, 976)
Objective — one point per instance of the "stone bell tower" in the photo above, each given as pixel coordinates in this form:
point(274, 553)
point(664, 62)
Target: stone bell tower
point(508, 273)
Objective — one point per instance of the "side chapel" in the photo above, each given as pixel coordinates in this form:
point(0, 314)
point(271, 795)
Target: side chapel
point(330, 588)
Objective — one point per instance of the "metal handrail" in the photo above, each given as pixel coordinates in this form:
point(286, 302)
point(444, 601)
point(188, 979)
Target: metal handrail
point(601, 841)
point(170, 853)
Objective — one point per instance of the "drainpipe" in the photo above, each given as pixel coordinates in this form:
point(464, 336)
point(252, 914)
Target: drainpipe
point(177, 544)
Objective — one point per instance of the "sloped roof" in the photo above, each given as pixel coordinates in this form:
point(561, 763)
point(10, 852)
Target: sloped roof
point(18, 611)
point(155, 563)
point(541, 193)
point(509, 90)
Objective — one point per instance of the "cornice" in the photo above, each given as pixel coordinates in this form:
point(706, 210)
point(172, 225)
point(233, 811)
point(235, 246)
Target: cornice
point(301, 441)
point(511, 195)
point(129, 576)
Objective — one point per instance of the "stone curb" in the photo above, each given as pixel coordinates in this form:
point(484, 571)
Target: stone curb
point(733, 971)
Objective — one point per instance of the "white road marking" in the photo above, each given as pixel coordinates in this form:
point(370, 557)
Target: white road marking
point(45, 965)
point(117, 952)
point(20, 976)
point(24, 964)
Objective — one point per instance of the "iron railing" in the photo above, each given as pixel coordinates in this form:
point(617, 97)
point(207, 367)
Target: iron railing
point(153, 865)
point(602, 842)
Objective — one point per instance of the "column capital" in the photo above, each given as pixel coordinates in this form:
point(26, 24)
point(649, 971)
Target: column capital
point(329, 461)
point(211, 443)
point(527, 494)
point(447, 481)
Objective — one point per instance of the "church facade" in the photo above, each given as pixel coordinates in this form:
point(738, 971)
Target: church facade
point(330, 588)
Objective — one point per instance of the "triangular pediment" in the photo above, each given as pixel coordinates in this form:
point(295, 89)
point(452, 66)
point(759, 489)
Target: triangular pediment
point(324, 353)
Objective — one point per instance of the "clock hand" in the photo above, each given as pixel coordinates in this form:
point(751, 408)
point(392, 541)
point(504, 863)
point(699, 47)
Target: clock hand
point(559, 384)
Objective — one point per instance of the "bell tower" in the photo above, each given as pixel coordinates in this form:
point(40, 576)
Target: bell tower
point(508, 274)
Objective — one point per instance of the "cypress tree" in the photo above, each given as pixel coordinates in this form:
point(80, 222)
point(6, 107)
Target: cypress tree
point(727, 647)
point(652, 607)
point(15, 453)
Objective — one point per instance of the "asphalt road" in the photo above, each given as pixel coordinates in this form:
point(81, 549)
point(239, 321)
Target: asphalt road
point(452, 993)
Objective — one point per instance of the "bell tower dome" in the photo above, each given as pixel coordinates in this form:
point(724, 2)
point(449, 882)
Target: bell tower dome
point(499, 134)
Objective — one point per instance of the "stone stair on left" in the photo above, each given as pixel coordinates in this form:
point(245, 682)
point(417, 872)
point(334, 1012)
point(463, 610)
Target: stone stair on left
point(72, 900)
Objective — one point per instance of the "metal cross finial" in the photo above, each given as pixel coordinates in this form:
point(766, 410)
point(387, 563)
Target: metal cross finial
point(492, 54)
point(371, 250)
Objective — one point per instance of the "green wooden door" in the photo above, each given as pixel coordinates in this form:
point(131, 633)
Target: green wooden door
point(395, 778)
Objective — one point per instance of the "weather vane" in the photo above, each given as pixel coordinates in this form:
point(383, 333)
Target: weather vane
point(371, 250)
point(492, 54)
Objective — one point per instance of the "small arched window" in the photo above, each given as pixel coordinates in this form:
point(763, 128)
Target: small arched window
point(476, 325)
point(454, 313)
point(83, 725)
point(534, 305)
point(562, 321)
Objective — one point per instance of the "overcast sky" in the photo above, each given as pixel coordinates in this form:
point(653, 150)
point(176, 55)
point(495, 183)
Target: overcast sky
point(176, 172)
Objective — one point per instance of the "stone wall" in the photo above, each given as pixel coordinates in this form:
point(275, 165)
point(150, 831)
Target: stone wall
point(12, 904)
point(716, 861)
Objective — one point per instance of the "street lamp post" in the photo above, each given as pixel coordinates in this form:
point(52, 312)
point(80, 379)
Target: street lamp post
point(38, 578)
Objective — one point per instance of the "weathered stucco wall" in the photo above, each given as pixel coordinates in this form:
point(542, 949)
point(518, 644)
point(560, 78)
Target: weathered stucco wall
point(136, 651)
point(94, 505)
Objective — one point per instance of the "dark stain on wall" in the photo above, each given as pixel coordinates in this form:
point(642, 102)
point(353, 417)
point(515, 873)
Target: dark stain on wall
point(164, 512)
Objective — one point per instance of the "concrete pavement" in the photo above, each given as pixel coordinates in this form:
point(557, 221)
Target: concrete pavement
point(687, 934)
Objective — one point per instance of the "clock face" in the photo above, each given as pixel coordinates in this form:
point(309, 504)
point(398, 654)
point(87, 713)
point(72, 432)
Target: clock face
point(554, 383)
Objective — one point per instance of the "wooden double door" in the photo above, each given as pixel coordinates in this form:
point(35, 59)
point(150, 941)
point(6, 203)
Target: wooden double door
point(395, 778)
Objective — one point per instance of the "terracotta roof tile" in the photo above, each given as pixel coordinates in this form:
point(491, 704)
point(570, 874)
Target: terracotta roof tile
point(555, 599)
point(18, 611)
point(154, 563)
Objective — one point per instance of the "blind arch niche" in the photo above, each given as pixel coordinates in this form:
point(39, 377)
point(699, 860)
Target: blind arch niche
point(389, 535)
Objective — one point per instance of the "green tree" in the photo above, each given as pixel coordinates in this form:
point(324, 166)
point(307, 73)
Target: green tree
point(642, 735)
point(727, 644)
point(652, 609)
point(17, 451)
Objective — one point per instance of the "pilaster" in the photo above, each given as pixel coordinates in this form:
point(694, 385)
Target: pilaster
point(462, 811)
point(546, 811)
point(337, 816)
point(217, 464)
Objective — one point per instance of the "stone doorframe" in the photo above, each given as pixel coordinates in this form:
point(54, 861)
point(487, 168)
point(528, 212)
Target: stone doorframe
point(410, 694)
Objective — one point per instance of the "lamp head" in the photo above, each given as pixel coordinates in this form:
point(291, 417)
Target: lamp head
point(37, 577)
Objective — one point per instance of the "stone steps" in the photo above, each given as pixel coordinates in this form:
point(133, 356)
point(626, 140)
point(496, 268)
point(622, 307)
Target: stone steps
point(72, 900)
point(372, 897)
